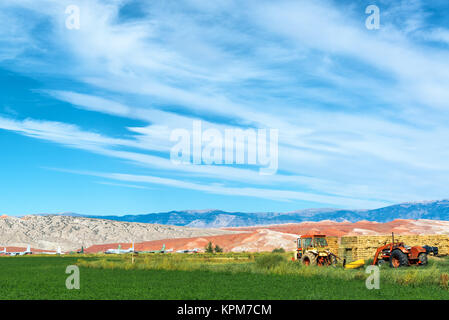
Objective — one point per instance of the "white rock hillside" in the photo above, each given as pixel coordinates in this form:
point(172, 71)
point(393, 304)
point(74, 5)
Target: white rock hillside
point(70, 233)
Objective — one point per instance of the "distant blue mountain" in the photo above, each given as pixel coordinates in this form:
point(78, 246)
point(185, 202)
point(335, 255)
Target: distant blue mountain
point(434, 210)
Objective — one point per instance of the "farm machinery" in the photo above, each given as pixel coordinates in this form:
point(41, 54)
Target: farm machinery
point(314, 250)
point(398, 254)
point(431, 250)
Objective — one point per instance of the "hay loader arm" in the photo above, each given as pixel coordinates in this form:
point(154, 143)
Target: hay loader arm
point(378, 251)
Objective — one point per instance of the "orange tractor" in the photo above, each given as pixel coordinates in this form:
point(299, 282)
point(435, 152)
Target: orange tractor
point(399, 255)
point(314, 250)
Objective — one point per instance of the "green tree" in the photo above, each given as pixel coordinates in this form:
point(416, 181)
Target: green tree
point(218, 249)
point(278, 250)
point(209, 248)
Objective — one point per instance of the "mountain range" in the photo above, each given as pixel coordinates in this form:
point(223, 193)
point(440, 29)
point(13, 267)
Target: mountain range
point(433, 210)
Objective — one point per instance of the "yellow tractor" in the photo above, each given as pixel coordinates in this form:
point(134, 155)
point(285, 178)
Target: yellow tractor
point(314, 250)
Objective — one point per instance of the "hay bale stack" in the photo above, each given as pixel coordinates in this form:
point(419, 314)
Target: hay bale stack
point(348, 246)
point(334, 244)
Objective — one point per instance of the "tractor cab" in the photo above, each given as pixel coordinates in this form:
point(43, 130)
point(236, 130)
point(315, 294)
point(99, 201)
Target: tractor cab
point(314, 250)
point(310, 243)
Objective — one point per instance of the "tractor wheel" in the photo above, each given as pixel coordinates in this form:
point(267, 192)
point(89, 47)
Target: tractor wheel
point(398, 259)
point(422, 257)
point(309, 259)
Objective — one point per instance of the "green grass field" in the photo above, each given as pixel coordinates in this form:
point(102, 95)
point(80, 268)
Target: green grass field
point(225, 276)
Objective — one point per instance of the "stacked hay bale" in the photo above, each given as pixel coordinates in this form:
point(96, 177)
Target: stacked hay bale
point(364, 247)
point(348, 248)
point(334, 244)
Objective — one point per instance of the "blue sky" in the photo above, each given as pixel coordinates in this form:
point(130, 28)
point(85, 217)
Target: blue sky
point(86, 115)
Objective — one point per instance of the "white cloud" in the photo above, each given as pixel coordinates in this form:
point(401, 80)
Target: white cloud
point(124, 185)
point(439, 34)
point(273, 194)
